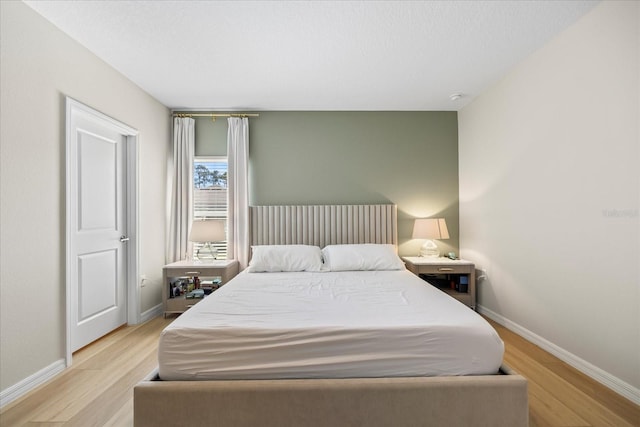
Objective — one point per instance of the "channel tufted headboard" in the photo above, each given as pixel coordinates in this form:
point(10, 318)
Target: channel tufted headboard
point(323, 225)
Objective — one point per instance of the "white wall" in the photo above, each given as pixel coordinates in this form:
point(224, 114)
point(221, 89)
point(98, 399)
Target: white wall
point(40, 65)
point(549, 190)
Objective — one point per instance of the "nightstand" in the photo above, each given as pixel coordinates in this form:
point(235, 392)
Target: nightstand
point(176, 298)
point(442, 272)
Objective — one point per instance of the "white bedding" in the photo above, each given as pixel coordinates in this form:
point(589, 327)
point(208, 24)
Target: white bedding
point(327, 325)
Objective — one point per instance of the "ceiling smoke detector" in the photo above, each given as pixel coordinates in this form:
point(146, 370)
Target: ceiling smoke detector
point(455, 96)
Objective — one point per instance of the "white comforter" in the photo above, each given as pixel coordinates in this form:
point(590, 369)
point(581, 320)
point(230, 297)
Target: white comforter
point(327, 325)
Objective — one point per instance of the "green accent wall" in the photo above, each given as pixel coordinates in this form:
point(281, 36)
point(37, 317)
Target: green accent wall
point(211, 136)
point(406, 158)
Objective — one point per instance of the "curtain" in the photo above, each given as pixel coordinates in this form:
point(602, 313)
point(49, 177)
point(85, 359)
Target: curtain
point(181, 185)
point(238, 190)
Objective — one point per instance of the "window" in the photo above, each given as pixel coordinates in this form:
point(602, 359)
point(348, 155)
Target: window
point(210, 195)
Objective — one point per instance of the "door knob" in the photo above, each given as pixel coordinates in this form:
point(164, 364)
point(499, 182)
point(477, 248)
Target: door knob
point(124, 239)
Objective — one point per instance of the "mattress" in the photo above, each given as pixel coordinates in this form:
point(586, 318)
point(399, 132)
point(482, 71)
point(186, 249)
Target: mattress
point(354, 324)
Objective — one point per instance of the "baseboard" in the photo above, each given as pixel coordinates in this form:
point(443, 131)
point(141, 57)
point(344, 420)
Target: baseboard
point(28, 384)
point(23, 387)
point(151, 313)
point(614, 383)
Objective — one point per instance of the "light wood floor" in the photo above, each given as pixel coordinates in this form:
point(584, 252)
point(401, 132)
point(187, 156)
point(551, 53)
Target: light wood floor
point(560, 395)
point(97, 389)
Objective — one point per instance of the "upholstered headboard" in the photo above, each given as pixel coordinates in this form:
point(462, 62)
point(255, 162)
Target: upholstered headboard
point(323, 225)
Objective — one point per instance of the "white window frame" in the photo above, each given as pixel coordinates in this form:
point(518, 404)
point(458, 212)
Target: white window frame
point(221, 247)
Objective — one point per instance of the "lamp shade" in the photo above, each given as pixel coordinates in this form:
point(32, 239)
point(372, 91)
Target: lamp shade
point(430, 228)
point(208, 230)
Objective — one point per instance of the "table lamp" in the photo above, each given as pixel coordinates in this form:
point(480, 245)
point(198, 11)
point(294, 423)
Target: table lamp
point(207, 231)
point(430, 228)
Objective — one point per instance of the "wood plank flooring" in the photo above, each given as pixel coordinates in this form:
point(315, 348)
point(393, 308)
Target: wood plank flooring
point(560, 395)
point(98, 389)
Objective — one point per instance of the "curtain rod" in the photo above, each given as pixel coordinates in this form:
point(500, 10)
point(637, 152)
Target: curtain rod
point(214, 115)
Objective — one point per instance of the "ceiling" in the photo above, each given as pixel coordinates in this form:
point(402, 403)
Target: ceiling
point(313, 55)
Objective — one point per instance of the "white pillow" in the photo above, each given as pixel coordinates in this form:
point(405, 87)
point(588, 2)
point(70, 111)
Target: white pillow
point(361, 257)
point(272, 258)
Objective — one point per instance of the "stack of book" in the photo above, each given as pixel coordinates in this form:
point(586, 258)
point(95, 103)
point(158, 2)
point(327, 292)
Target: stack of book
point(209, 286)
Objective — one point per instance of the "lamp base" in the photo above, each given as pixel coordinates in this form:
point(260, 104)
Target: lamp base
point(429, 250)
point(206, 253)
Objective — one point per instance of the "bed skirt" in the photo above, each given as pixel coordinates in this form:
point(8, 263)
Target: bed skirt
point(488, 400)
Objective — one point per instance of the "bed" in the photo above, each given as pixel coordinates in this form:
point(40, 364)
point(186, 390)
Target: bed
point(278, 366)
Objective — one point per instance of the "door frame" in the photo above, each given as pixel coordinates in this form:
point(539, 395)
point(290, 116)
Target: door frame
point(74, 107)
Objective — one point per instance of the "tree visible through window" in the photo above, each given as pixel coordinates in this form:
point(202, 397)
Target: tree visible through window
point(210, 194)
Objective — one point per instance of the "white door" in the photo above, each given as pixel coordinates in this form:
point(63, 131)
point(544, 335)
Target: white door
point(97, 231)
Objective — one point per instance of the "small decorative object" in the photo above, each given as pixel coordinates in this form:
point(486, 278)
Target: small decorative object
point(430, 228)
point(207, 231)
point(176, 291)
point(452, 255)
point(463, 284)
point(195, 294)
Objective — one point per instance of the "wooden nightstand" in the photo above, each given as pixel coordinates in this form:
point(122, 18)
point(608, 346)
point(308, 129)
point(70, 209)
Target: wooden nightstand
point(441, 271)
point(173, 273)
